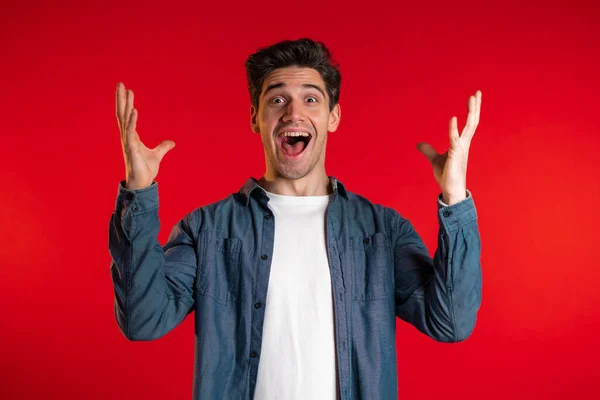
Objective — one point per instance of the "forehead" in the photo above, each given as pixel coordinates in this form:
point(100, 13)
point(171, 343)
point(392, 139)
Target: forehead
point(293, 78)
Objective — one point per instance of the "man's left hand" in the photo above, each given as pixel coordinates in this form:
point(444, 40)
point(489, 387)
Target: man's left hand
point(450, 168)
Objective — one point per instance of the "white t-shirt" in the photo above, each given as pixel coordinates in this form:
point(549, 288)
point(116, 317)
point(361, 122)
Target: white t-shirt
point(298, 356)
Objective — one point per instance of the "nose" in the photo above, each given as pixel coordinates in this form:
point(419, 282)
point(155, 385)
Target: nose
point(293, 112)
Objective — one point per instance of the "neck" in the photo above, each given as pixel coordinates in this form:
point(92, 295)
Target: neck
point(317, 184)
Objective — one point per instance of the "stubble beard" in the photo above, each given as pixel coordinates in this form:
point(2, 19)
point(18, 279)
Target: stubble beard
point(288, 171)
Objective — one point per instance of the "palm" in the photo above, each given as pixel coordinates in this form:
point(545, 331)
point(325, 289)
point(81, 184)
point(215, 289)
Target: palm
point(444, 171)
point(143, 163)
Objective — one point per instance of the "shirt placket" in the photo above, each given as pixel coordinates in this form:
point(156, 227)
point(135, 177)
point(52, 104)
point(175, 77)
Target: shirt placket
point(340, 297)
point(264, 254)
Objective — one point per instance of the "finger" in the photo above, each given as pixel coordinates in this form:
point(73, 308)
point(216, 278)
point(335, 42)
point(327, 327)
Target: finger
point(478, 95)
point(128, 107)
point(120, 105)
point(453, 130)
point(131, 135)
point(469, 128)
point(428, 151)
point(163, 148)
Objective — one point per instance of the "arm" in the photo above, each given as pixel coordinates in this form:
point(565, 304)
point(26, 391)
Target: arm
point(440, 296)
point(153, 285)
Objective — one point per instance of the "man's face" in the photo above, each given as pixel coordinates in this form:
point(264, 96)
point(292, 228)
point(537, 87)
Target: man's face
point(294, 100)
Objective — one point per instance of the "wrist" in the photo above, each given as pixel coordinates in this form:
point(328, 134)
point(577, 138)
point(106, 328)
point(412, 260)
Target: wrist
point(129, 185)
point(453, 198)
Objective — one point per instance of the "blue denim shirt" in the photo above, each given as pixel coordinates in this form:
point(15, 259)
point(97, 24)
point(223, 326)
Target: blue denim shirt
point(217, 259)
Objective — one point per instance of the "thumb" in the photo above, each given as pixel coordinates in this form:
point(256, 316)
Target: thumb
point(428, 151)
point(163, 148)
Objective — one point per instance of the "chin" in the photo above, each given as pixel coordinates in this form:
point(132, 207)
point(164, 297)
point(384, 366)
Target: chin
point(293, 174)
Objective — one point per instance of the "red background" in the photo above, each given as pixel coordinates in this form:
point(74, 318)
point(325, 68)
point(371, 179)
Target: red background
point(407, 69)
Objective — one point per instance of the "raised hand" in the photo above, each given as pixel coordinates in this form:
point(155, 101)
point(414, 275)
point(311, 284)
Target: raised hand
point(450, 168)
point(141, 163)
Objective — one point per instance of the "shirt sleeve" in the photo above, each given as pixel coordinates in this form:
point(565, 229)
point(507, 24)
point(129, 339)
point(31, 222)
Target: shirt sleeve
point(440, 296)
point(153, 285)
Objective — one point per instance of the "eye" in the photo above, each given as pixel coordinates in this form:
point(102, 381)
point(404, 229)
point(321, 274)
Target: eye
point(276, 98)
point(314, 98)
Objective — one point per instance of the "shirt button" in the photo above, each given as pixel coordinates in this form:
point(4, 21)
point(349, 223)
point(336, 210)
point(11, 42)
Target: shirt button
point(267, 216)
point(263, 257)
point(135, 208)
point(367, 240)
point(447, 213)
point(257, 305)
point(253, 354)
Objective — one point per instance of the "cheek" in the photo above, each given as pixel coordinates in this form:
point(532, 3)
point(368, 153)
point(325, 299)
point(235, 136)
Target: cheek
point(270, 112)
point(268, 121)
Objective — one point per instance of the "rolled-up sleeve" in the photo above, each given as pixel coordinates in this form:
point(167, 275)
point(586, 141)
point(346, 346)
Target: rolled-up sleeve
point(153, 285)
point(440, 296)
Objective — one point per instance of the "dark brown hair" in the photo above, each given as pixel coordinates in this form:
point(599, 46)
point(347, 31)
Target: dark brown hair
point(302, 53)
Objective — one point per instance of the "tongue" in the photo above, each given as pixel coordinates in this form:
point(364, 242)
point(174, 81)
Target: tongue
point(293, 149)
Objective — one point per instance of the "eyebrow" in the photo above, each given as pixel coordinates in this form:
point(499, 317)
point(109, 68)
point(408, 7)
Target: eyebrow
point(304, 85)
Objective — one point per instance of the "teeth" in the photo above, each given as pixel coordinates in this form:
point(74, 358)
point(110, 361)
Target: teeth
point(284, 134)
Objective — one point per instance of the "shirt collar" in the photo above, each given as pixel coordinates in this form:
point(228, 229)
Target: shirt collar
point(252, 184)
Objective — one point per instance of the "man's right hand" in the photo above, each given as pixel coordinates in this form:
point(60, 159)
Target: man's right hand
point(141, 163)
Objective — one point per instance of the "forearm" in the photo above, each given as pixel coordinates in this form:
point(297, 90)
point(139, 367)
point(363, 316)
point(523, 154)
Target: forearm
point(147, 305)
point(455, 295)
point(441, 296)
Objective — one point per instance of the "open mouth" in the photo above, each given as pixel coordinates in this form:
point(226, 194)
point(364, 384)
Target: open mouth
point(293, 145)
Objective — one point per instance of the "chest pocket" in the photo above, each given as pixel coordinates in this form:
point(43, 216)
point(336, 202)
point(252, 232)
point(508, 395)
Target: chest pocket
point(373, 272)
point(218, 267)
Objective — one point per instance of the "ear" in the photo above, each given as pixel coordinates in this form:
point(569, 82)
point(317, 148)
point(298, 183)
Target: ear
point(254, 120)
point(334, 118)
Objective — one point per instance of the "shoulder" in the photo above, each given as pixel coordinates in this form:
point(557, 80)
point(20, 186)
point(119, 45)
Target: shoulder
point(372, 217)
point(213, 214)
point(362, 203)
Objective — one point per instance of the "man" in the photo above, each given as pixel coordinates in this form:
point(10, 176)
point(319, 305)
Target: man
point(296, 282)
